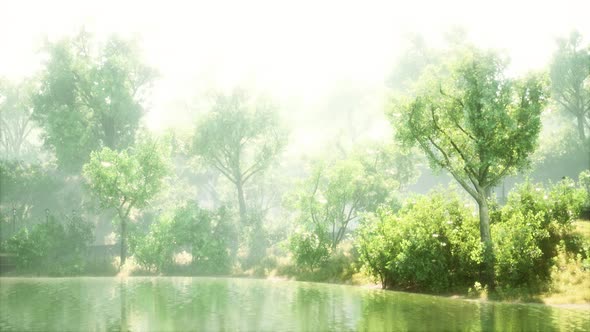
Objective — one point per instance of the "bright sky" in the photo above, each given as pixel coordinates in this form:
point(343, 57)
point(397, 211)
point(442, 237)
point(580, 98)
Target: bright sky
point(292, 49)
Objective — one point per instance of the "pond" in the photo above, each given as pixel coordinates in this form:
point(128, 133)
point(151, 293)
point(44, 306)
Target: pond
point(218, 304)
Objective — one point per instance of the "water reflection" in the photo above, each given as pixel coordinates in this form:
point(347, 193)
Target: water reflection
point(209, 304)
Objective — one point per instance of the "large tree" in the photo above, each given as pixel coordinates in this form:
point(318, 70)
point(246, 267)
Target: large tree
point(128, 179)
point(16, 122)
point(570, 84)
point(240, 137)
point(90, 97)
point(337, 193)
point(479, 125)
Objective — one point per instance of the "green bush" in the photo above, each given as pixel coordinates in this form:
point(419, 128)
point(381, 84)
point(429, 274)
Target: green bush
point(528, 229)
point(204, 234)
point(584, 181)
point(52, 247)
point(254, 240)
point(431, 244)
point(309, 249)
point(519, 258)
point(337, 265)
point(154, 251)
point(375, 245)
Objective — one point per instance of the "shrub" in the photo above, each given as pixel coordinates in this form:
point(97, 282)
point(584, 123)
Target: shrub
point(154, 251)
point(584, 181)
point(309, 249)
point(205, 235)
point(375, 247)
point(519, 258)
point(332, 265)
point(528, 229)
point(53, 248)
point(431, 244)
point(254, 240)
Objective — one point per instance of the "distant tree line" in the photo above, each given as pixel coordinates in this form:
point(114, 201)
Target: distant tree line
point(225, 197)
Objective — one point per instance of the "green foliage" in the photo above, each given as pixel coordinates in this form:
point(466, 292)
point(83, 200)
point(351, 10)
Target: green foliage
point(570, 83)
point(255, 240)
point(529, 228)
point(22, 182)
point(309, 249)
point(240, 138)
point(431, 244)
point(90, 98)
point(336, 266)
point(127, 179)
point(584, 181)
point(337, 194)
point(412, 63)
point(471, 120)
point(16, 123)
point(52, 247)
point(28, 189)
point(206, 235)
point(519, 258)
point(559, 205)
point(239, 134)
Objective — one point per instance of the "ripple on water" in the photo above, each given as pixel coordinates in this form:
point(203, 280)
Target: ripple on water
point(157, 304)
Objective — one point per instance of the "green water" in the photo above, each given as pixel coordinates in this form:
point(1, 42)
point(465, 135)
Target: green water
point(212, 304)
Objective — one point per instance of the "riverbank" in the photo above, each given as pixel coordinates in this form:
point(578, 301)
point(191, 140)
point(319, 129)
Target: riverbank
point(569, 286)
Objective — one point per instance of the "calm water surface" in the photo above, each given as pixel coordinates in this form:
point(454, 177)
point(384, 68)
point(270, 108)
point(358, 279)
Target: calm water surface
point(223, 304)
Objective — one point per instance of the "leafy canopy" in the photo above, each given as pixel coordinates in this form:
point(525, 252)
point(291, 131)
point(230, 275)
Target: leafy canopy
point(240, 137)
point(90, 98)
point(128, 178)
point(337, 194)
point(473, 121)
point(16, 123)
point(570, 82)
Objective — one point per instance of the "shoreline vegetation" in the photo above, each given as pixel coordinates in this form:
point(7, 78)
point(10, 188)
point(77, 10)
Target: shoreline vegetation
point(569, 284)
point(480, 191)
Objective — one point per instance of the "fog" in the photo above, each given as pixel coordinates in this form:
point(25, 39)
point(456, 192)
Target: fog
point(299, 52)
point(295, 139)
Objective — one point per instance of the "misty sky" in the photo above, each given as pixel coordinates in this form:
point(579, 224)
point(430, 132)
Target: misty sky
point(296, 51)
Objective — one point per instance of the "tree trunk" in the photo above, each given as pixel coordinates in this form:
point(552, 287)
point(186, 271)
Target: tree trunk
point(581, 129)
point(582, 136)
point(242, 203)
point(123, 241)
point(486, 239)
point(108, 127)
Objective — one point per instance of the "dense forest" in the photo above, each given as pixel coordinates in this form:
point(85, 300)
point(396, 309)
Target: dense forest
point(482, 185)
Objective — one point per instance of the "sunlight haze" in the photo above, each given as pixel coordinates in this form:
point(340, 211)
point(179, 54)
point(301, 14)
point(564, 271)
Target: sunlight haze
point(295, 51)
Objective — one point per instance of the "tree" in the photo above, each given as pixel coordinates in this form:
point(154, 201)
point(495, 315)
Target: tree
point(471, 120)
point(570, 84)
point(126, 180)
point(411, 63)
point(90, 98)
point(417, 56)
point(25, 188)
point(16, 123)
point(204, 234)
point(239, 138)
point(337, 194)
point(431, 243)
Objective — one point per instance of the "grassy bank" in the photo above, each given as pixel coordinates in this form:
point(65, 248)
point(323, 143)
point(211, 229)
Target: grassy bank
point(570, 278)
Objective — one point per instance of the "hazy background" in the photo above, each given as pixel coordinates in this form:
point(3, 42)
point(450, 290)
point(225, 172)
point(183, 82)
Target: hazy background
point(303, 53)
